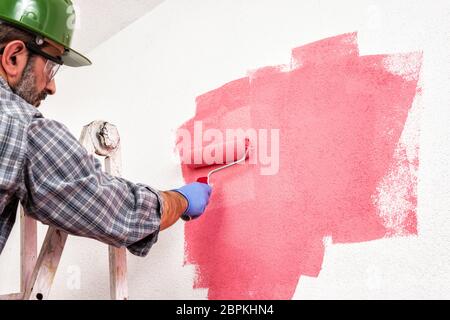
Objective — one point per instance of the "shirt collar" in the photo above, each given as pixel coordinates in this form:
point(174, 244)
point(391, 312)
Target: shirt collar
point(4, 84)
point(24, 104)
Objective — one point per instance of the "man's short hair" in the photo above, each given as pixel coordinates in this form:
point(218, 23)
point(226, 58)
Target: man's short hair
point(10, 33)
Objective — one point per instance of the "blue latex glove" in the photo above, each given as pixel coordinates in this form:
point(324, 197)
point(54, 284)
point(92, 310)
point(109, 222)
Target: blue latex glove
point(197, 195)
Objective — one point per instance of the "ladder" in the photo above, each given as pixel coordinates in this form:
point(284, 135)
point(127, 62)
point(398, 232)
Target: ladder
point(38, 272)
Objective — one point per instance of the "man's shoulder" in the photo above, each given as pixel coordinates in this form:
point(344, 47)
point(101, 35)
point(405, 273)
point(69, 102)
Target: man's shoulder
point(16, 117)
point(13, 141)
point(15, 108)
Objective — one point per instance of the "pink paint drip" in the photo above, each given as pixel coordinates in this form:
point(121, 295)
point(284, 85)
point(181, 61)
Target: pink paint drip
point(340, 117)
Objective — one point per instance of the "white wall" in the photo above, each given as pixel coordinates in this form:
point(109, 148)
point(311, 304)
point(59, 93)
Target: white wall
point(145, 80)
point(113, 16)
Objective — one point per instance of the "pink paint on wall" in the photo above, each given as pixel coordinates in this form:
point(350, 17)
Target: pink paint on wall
point(341, 117)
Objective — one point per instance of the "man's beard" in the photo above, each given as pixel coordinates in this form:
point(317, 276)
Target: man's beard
point(26, 88)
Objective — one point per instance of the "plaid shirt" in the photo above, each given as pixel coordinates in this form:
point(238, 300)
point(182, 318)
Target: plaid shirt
point(43, 166)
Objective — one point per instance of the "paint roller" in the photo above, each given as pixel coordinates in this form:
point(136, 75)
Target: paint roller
point(229, 153)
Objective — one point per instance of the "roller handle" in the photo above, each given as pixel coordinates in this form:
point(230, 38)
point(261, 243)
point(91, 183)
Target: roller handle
point(203, 180)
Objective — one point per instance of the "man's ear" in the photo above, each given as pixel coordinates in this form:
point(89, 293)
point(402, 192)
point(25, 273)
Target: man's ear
point(14, 59)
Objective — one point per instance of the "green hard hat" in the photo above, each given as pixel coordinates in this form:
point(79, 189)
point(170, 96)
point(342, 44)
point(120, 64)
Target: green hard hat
point(51, 19)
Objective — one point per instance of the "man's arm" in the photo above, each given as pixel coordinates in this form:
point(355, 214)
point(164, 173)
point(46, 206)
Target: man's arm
point(174, 206)
point(65, 187)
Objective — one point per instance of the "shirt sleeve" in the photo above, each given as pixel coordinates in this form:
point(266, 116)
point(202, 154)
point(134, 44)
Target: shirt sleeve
point(65, 187)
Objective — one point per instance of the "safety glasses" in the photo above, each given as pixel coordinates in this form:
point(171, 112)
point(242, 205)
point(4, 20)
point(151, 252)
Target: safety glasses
point(51, 69)
point(51, 66)
point(53, 63)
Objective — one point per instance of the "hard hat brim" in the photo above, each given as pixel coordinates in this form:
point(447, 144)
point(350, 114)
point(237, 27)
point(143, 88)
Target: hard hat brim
point(74, 59)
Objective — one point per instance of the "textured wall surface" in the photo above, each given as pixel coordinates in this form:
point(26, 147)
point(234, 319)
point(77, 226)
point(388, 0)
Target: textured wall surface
point(342, 137)
point(146, 80)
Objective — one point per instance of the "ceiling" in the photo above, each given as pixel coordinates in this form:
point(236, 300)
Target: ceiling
point(101, 19)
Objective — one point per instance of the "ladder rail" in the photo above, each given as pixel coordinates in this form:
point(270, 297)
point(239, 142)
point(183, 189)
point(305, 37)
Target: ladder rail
point(38, 273)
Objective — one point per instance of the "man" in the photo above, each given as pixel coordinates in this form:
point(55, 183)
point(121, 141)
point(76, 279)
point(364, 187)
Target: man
point(44, 167)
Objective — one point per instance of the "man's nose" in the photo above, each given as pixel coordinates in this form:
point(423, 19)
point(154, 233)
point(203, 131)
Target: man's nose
point(51, 87)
